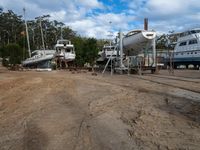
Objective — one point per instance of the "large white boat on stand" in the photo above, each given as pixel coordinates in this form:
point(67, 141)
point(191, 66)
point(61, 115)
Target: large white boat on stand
point(65, 54)
point(39, 59)
point(62, 55)
point(139, 48)
point(187, 49)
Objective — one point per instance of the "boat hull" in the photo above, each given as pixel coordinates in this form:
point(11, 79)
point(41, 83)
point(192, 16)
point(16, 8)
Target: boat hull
point(40, 62)
point(185, 58)
point(67, 56)
point(136, 43)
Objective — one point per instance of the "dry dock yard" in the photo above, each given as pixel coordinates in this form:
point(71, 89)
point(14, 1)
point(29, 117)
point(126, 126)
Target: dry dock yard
point(63, 110)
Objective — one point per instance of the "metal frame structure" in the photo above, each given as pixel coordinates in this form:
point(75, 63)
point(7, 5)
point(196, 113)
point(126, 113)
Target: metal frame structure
point(119, 64)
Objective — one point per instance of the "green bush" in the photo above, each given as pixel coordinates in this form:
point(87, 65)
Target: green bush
point(12, 53)
point(86, 50)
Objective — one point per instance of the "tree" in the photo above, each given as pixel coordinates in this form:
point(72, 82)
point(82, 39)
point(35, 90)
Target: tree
point(91, 50)
point(10, 27)
point(68, 33)
point(79, 43)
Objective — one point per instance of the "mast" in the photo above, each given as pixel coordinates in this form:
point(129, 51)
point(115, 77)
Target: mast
point(121, 48)
point(42, 34)
point(61, 35)
point(27, 34)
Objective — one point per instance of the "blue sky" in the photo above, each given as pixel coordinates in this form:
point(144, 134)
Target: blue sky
point(91, 17)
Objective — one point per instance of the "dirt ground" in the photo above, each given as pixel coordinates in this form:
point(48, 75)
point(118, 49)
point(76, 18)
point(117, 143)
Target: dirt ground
point(63, 110)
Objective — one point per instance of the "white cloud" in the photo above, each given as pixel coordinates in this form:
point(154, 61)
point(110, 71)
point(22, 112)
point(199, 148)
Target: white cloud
point(166, 15)
point(136, 4)
point(89, 3)
point(83, 17)
point(99, 25)
point(81, 25)
point(166, 7)
point(169, 8)
point(60, 15)
point(18, 5)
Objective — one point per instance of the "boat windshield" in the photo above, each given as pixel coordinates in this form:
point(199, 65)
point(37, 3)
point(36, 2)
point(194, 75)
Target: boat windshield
point(34, 53)
point(63, 42)
point(109, 48)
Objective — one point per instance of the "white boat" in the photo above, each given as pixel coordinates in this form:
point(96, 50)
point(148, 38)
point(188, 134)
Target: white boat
point(107, 52)
point(137, 41)
point(39, 59)
point(139, 48)
point(65, 50)
point(187, 49)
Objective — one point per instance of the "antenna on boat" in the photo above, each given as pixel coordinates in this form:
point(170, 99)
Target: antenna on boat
point(27, 35)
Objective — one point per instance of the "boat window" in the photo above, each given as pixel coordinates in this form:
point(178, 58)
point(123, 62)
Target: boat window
point(195, 52)
point(188, 53)
point(183, 44)
point(68, 50)
point(191, 52)
point(197, 31)
point(63, 42)
point(181, 53)
point(193, 31)
point(194, 41)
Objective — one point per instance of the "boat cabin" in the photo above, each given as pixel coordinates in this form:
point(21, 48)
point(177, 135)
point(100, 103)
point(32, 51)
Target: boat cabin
point(186, 33)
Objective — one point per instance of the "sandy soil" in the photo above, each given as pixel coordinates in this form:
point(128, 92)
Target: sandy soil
point(62, 110)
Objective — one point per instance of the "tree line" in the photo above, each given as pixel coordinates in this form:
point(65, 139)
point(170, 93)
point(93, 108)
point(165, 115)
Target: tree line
point(13, 42)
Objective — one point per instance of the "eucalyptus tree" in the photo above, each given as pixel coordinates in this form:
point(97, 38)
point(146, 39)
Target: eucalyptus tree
point(10, 26)
point(68, 33)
